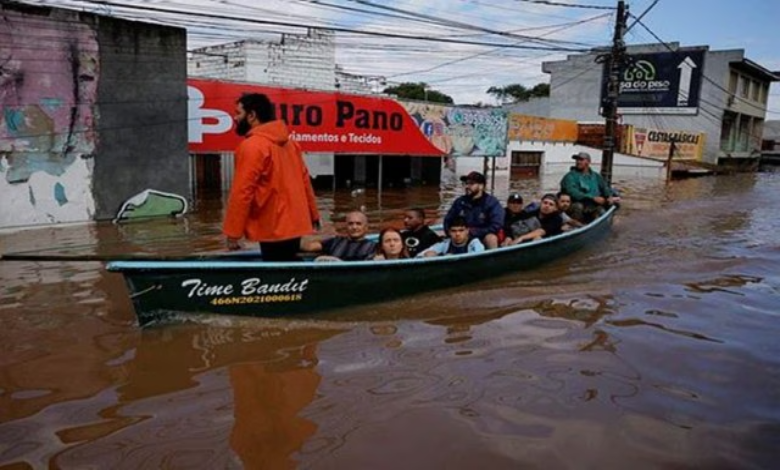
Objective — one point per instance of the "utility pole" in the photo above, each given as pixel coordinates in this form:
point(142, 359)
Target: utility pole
point(615, 60)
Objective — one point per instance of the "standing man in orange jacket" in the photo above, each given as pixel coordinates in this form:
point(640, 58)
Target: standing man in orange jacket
point(271, 200)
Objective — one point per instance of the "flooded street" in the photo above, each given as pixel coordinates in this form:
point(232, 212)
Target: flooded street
point(657, 348)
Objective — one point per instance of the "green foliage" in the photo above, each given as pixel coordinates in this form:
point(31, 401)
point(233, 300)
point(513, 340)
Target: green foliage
point(418, 91)
point(517, 92)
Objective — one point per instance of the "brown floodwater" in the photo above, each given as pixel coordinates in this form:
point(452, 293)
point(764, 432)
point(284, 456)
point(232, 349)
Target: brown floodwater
point(657, 348)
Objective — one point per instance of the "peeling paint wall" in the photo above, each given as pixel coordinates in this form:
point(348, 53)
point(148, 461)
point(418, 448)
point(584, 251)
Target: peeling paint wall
point(48, 89)
point(93, 110)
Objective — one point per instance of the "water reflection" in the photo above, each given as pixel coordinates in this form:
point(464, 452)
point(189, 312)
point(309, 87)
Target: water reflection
point(248, 384)
point(649, 350)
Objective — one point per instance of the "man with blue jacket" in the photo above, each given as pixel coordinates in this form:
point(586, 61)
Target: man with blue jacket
point(482, 211)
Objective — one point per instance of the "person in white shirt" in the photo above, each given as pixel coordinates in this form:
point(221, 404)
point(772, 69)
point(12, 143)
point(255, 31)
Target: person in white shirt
point(460, 241)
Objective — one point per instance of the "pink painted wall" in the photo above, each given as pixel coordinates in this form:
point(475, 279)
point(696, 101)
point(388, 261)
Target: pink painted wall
point(48, 86)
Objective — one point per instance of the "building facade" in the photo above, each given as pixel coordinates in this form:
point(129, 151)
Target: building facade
point(94, 111)
point(296, 60)
point(770, 145)
point(306, 62)
point(667, 87)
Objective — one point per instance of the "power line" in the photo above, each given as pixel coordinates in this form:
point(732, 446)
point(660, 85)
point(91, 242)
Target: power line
point(638, 18)
point(459, 24)
point(332, 28)
point(479, 54)
point(705, 77)
point(567, 5)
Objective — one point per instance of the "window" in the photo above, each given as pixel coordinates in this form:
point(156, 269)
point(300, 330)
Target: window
point(756, 90)
point(745, 87)
point(733, 80)
point(526, 158)
point(526, 163)
point(728, 131)
point(758, 132)
point(743, 136)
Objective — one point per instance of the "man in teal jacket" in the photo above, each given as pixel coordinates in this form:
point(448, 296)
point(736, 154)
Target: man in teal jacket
point(589, 192)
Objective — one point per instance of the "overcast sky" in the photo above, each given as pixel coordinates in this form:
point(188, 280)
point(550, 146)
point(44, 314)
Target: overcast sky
point(461, 70)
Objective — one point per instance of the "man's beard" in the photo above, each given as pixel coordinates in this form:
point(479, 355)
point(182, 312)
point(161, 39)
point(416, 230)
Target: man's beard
point(242, 127)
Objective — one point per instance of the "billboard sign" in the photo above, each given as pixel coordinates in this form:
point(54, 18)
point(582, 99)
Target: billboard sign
point(660, 83)
point(319, 121)
point(655, 143)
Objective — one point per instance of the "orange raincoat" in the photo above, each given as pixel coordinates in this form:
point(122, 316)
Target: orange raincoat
point(271, 198)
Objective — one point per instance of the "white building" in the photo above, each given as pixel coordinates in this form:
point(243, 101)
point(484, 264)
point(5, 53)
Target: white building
point(720, 93)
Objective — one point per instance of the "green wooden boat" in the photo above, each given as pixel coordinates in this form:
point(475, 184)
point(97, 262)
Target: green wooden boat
point(235, 285)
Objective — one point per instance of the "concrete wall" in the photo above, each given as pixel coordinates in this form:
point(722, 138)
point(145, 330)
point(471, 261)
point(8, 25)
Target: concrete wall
point(356, 84)
point(142, 140)
point(556, 160)
point(49, 71)
point(94, 111)
point(539, 107)
point(296, 60)
point(224, 62)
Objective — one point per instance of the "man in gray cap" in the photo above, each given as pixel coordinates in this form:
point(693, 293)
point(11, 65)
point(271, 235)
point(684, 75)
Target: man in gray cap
point(589, 192)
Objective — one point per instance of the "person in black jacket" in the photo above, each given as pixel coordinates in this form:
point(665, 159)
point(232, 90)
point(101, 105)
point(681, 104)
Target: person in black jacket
point(482, 211)
point(516, 211)
point(547, 222)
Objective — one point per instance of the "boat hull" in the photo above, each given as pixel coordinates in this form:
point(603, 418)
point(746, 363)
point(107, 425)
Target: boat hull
point(254, 288)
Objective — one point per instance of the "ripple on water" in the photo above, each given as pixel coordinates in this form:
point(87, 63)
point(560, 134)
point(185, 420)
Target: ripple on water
point(655, 349)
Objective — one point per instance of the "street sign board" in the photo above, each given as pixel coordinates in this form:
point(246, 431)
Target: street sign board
point(660, 83)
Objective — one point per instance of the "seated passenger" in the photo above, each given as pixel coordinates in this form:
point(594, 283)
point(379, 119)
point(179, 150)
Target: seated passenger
point(353, 247)
point(588, 190)
point(460, 241)
point(482, 211)
point(514, 212)
point(549, 220)
point(390, 246)
point(417, 236)
point(564, 204)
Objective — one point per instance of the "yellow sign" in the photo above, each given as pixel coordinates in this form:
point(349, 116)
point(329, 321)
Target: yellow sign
point(522, 127)
point(654, 143)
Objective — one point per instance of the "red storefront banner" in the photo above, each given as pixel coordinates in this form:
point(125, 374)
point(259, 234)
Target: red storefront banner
point(318, 121)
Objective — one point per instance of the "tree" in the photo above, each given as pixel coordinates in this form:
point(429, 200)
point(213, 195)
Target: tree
point(517, 92)
point(540, 90)
point(418, 91)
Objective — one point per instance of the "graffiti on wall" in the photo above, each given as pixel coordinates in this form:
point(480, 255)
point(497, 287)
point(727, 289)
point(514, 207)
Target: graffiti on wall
point(461, 132)
point(48, 88)
point(151, 203)
point(532, 128)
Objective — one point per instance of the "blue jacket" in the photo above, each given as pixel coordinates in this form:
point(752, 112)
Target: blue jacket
point(483, 216)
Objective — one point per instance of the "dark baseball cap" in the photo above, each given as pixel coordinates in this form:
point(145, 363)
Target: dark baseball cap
point(474, 177)
point(515, 197)
point(581, 156)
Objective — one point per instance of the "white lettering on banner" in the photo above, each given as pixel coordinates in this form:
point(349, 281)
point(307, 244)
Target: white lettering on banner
point(302, 137)
point(218, 122)
point(251, 286)
point(364, 139)
point(642, 85)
